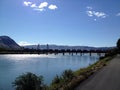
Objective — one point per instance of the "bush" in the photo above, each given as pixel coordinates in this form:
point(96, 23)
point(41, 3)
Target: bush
point(56, 80)
point(55, 85)
point(67, 75)
point(29, 81)
point(62, 81)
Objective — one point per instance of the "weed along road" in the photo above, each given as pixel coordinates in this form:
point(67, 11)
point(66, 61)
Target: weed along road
point(108, 78)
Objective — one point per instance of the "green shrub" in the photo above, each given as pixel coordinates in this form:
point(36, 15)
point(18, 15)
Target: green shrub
point(56, 80)
point(67, 75)
point(55, 85)
point(29, 81)
point(62, 81)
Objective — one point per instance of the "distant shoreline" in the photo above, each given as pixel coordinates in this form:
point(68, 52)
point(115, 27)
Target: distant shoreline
point(70, 52)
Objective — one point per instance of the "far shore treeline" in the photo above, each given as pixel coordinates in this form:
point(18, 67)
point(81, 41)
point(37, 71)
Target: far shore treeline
point(9, 46)
point(50, 51)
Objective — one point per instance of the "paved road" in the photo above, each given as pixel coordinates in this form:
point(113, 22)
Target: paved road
point(107, 78)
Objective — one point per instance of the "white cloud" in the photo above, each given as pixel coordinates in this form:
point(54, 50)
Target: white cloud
point(89, 13)
point(99, 14)
point(52, 7)
point(33, 6)
point(27, 3)
point(39, 9)
point(43, 5)
point(95, 19)
point(118, 14)
point(90, 8)
point(92, 13)
point(24, 43)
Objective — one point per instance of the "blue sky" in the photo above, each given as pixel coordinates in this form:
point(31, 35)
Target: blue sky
point(61, 22)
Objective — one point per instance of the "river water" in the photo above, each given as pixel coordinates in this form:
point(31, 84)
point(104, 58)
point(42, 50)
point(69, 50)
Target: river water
point(11, 66)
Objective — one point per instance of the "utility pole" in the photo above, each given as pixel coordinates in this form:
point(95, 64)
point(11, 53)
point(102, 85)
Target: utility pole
point(47, 49)
point(38, 48)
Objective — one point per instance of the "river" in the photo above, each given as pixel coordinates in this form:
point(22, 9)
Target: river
point(11, 66)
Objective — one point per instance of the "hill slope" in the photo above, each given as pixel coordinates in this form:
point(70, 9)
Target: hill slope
point(8, 43)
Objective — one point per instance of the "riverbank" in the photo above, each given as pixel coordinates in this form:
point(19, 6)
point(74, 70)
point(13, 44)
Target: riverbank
point(83, 74)
point(108, 78)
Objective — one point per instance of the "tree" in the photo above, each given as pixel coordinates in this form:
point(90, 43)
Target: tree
point(28, 81)
point(118, 44)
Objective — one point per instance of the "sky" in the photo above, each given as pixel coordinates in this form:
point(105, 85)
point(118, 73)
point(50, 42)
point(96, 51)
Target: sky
point(61, 22)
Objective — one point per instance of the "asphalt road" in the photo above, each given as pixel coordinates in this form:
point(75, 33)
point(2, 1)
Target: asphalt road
point(108, 78)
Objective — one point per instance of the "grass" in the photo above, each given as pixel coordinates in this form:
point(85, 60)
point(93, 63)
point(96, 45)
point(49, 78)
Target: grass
point(84, 73)
point(93, 67)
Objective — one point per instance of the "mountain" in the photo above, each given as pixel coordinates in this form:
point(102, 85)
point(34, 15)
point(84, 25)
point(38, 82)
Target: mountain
point(8, 43)
point(59, 47)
